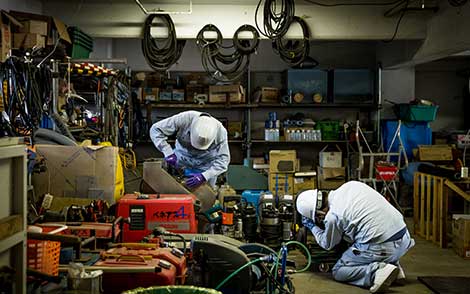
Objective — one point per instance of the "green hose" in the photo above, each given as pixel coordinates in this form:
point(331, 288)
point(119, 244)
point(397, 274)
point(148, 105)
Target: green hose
point(237, 271)
point(309, 257)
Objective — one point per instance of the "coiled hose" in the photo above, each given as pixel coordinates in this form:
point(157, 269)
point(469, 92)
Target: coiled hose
point(276, 18)
point(161, 55)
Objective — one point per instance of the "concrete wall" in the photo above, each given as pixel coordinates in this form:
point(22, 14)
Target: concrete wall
point(123, 18)
point(439, 82)
point(31, 6)
point(398, 86)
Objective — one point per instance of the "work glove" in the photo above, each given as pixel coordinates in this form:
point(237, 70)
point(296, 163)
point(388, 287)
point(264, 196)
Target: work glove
point(195, 180)
point(308, 222)
point(171, 160)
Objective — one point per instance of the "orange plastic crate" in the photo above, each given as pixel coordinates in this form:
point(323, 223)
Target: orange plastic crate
point(43, 256)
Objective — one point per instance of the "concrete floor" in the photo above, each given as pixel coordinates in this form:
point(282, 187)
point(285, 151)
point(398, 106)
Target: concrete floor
point(425, 259)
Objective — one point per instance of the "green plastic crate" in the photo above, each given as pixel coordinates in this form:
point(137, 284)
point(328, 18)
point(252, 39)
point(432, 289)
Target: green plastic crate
point(79, 51)
point(409, 112)
point(330, 129)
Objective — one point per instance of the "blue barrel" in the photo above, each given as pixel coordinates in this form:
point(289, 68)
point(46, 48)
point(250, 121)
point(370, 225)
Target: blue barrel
point(252, 196)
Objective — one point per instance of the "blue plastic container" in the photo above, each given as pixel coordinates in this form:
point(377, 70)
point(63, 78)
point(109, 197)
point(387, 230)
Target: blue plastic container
point(412, 134)
point(252, 196)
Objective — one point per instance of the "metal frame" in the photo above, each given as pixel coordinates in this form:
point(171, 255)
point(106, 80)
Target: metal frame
point(160, 11)
point(389, 186)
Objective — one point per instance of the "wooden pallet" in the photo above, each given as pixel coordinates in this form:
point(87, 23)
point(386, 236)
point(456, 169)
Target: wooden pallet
point(430, 206)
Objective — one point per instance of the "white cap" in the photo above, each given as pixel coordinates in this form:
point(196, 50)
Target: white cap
point(307, 203)
point(203, 132)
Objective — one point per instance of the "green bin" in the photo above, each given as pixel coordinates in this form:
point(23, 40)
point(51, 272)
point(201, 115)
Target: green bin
point(330, 129)
point(173, 290)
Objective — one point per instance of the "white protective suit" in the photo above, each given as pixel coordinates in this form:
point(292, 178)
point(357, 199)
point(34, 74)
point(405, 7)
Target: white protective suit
point(362, 216)
point(211, 162)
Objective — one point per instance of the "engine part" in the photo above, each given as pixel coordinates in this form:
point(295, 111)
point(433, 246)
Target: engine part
point(250, 222)
point(286, 214)
point(176, 213)
point(270, 223)
point(215, 260)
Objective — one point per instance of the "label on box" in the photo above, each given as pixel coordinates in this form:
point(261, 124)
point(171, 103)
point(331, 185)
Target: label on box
point(298, 180)
point(288, 197)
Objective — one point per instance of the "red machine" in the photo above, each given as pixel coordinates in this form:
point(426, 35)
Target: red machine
point(175, 213)
point(173, 256)
point(160, 272)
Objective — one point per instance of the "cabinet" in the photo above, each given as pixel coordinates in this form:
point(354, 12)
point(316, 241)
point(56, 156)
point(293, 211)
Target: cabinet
point(13, 211)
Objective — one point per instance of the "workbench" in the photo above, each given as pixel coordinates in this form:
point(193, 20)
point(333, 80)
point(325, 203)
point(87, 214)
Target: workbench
point(432, 195)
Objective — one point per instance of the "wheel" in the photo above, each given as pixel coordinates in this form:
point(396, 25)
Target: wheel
point(324, 267)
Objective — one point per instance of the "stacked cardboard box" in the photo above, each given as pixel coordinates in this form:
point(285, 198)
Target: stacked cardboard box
point(282, 166)
point(331, 173)
point(32, 33)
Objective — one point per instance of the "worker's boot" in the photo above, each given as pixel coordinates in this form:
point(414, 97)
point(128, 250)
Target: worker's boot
point(384, 276)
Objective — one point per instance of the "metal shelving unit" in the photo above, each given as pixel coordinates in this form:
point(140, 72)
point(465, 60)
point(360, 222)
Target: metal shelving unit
point(13, 212)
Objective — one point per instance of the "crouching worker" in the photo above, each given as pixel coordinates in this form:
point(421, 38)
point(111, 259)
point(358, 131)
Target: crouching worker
point(364, 218)
point(201, 145)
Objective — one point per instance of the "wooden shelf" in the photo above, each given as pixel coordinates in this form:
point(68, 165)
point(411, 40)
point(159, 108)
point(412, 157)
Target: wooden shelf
point(263, 105)
point(197, 106)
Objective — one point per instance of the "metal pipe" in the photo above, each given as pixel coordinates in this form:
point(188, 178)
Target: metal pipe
point(55, 87)
point(100, 60)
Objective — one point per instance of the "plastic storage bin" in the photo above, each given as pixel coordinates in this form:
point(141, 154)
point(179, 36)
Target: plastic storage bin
point(408, 112)
point(412, 135)
point(330, 129)
point(82, 44)
point(308, 82)
point(353, 86)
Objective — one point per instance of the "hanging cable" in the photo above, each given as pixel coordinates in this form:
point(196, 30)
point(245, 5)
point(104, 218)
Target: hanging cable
point(397, 26)
point(294, 52)
point(275, 19)
point(161, 55)
point(226, 63)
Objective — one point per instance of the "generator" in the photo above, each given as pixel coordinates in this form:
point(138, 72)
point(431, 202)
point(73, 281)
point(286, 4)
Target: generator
point(144, 212)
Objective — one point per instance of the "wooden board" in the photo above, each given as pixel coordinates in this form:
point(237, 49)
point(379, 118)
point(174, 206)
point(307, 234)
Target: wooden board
point(10, 225)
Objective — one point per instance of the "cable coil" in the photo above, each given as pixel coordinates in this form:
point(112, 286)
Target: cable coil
point(276, 18)
point(161, 55)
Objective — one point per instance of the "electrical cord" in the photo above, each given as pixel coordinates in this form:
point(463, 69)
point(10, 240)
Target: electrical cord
point(226, 65)
point(276, 20)
point(228, 278)
point(397, 26)
point(161, 55)
point(294, 52)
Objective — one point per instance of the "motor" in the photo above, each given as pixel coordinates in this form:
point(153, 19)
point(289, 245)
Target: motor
point(286, 215)
point(232, 224)
point(250, 222)
point(270, 223)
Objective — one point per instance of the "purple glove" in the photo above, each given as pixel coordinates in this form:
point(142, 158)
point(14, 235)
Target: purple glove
point(171, 160)
point(308, 223)
point(195, 180)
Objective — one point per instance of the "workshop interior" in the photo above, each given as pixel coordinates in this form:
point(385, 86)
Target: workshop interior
point(234, 147)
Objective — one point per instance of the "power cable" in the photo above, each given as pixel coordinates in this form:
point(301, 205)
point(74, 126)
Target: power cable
point(161, 54)
point(397, 26)
point(276, 18)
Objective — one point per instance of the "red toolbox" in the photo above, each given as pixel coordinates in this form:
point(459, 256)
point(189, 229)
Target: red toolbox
point(137, 271)
point(175, 213)
point(173, 256)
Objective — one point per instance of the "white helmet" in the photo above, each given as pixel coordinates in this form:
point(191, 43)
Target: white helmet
point(203, 132)
point(308, 202)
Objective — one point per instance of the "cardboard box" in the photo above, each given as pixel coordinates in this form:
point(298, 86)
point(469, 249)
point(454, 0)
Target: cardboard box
point(192, 90)
point(282, 161)
point(78, 171)
point(235, 129)
point(329, 158)
point(177, 95)
point(6, 37)
point(219, 94)
point(304, 181)
point(150, 94)
point(461, 234)
point(269, 95)
point(435, 153)
point(34, 27)
point(281, 183)
point(330, 178)
point(25, 40)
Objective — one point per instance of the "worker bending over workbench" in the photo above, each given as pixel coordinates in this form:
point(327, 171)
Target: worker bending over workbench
point(364, 218)
point(201, 145)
